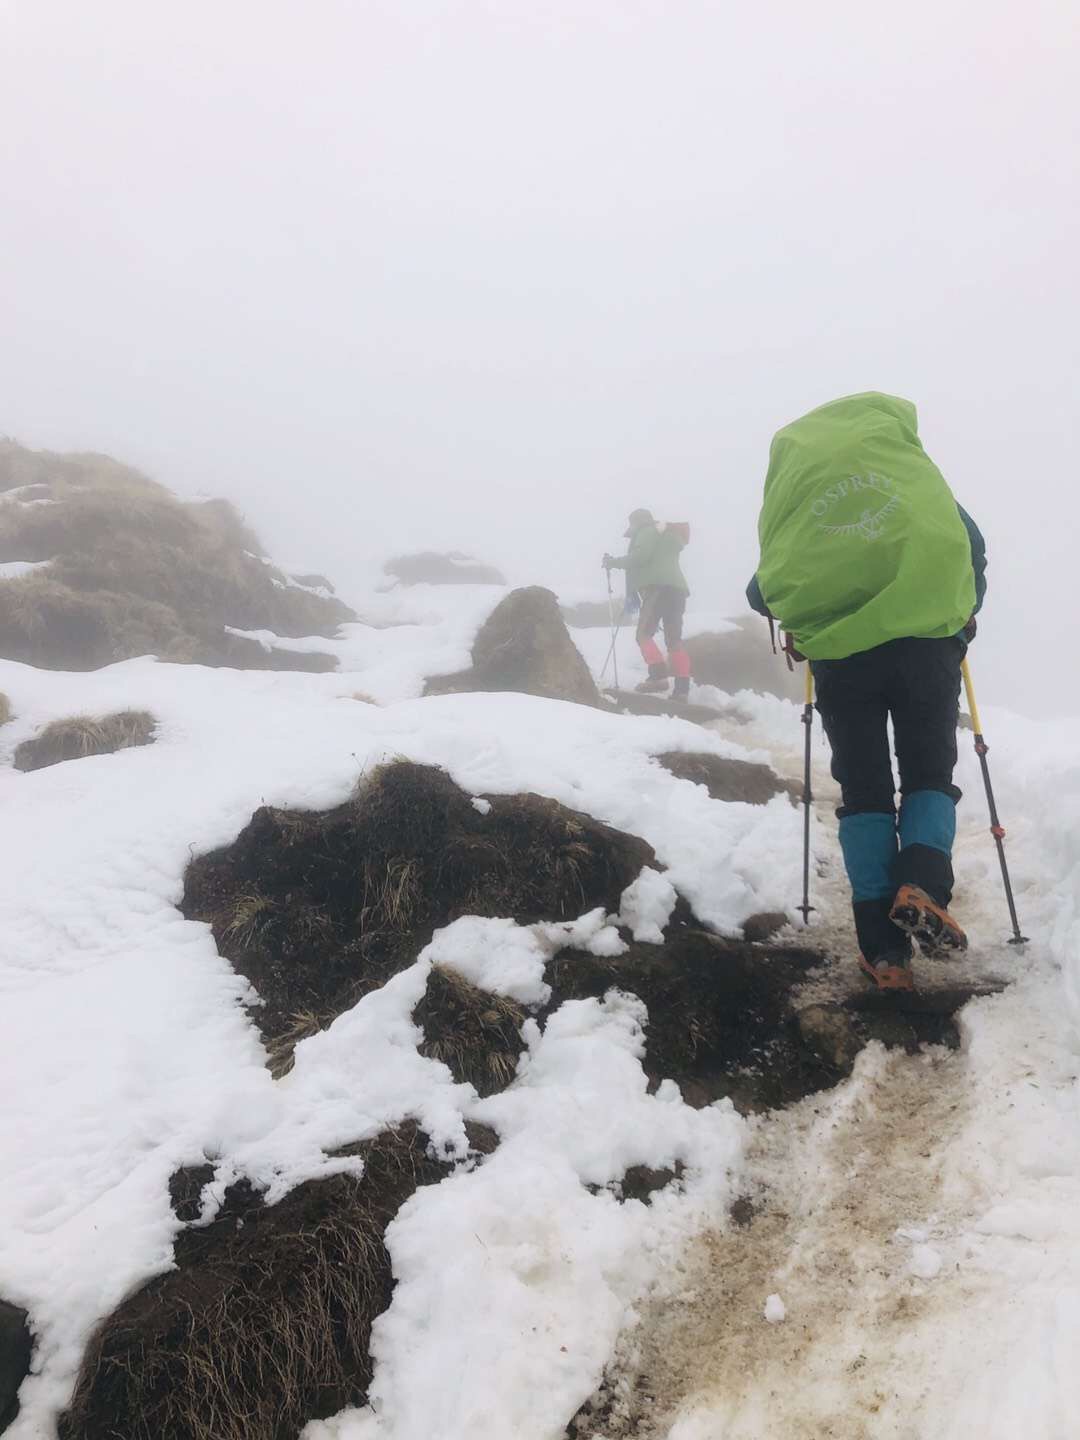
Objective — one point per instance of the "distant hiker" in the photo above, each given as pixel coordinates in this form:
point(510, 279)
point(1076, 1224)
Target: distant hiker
point(875, 573)
point(653, 573)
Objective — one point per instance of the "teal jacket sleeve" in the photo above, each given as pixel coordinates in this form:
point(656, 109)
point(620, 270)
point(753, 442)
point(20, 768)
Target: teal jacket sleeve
point(755, 599)
point(978, 556)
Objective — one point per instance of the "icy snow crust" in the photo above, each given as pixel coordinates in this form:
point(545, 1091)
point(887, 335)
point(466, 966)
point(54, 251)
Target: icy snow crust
point(125, 1051)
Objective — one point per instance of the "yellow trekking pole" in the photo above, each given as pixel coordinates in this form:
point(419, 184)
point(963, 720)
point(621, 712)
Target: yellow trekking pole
point(808, 721)
point(996, 828)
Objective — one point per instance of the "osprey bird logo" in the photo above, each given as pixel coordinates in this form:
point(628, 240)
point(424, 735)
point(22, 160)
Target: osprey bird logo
point(871, 522)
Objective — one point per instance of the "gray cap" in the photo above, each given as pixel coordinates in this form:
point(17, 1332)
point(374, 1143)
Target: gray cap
point(638, 518)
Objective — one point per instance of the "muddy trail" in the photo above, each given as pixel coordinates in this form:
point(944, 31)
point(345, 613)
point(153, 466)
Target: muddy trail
point(842, 1215)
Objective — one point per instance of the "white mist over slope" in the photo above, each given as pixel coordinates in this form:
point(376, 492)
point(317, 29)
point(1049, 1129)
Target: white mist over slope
point(488, 277)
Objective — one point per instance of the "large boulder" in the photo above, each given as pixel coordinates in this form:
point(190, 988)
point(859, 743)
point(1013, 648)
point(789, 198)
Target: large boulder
point(742, 659)
point(15, 1348)
point(524, 645)
point(434, 567)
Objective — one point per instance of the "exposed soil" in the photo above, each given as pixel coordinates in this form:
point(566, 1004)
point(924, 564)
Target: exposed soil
point(721, 1020)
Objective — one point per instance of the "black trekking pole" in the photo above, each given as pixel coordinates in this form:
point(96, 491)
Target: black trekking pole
point(996, 827)
point(612, 658)
point(808, 721)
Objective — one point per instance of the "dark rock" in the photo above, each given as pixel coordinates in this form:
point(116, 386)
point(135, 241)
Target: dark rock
point(314, 582)
point(524, 645)
point(641, 1182)
point(743, 1211)
point(432, 567)
point(742, 659)
point(185, 1190)
point(728, 779)
point(760, 928)
point(631, 703)
point(591, 614)
point(16, 1345)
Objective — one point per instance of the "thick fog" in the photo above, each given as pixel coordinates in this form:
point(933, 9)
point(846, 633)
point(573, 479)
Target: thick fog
point(488, 274)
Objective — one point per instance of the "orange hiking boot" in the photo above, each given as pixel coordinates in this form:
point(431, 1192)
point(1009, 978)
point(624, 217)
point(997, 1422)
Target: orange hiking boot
point(888, 972)
point(926, 921)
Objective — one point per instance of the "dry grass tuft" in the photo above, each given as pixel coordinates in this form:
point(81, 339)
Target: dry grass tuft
point(280, 1056)
point(81, 735)
point(475, 1034)
point(5, 709)
point(264, 1325)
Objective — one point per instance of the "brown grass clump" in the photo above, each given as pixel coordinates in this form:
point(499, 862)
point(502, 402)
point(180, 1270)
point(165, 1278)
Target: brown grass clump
point(477, 1035)
point(727, 779)
point(317, 909)
point(264, 1325)
point(135, 571)
point(81, 735)
point(5, 709)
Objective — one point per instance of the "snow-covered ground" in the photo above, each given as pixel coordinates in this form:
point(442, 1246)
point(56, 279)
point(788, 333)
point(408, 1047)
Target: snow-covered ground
point(125, 1052)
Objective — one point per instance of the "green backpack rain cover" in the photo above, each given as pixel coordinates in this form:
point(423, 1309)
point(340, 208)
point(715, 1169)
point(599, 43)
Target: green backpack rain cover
point(861, 540)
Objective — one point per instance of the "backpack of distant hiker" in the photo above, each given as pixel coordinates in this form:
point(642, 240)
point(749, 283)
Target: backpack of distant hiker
point(861, 539)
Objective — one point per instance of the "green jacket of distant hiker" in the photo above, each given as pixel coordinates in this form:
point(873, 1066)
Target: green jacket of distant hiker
point(653, 558)
point(861, 539)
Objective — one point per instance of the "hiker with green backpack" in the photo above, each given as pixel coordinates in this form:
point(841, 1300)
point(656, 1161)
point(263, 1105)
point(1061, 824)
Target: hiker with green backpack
point(654, 579)
point(875, 574)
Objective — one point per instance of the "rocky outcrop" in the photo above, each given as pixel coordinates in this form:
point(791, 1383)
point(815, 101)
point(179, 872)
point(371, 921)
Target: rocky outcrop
point(433, 567)
point(742, 659)
point(524, 645)
point(15, 1347)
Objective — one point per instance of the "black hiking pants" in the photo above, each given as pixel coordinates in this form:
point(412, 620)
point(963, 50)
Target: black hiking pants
point(916, 684)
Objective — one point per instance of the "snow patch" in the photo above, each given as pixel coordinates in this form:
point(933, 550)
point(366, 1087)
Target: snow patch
point(647, 905)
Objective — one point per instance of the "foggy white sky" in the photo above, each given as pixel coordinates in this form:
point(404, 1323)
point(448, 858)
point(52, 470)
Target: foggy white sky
point(492, 274)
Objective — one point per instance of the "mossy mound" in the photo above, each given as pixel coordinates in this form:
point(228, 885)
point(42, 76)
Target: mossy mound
point(79, 736)
point(132, 570)
point(317, 909)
